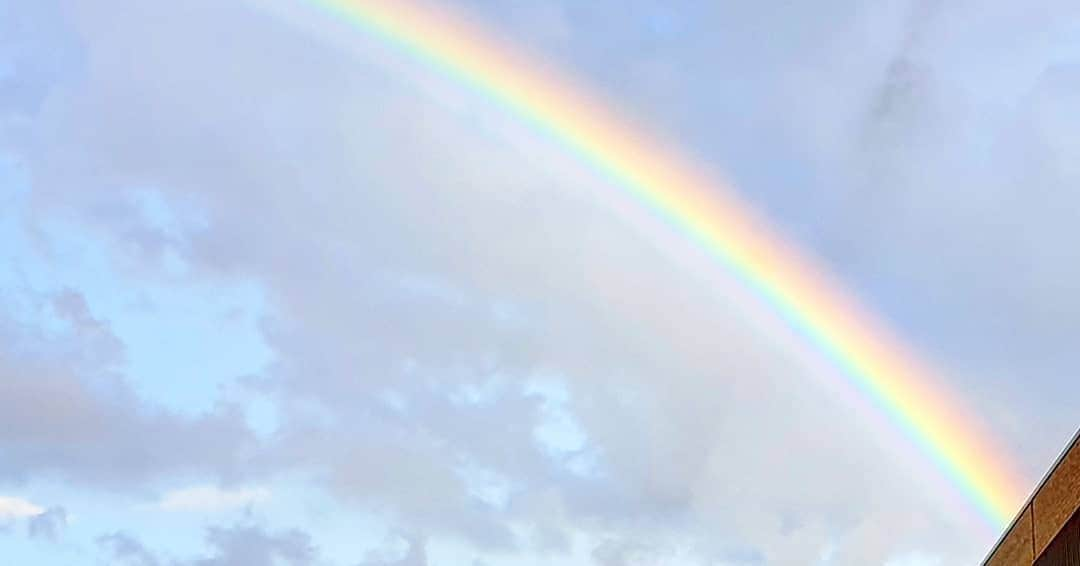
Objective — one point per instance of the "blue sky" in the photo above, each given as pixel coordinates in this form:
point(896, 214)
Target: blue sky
point(273, 293)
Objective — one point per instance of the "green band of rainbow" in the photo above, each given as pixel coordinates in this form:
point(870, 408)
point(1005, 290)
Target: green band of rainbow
point(892, 379)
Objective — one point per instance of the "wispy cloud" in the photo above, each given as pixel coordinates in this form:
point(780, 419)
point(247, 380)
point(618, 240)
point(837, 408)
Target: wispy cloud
point(212, 499)
point(18, 508)
point(48, 525)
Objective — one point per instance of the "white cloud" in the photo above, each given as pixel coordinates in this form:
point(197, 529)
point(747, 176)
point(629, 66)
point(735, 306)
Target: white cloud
point(212, 498)
point(17, 508)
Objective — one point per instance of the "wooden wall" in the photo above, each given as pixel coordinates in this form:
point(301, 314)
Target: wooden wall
point(1064, 549)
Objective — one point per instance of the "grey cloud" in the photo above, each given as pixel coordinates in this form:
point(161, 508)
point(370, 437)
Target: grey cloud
point(239, 545)
point(623, 553)
point(415, 555)
point(65, 413)
point(126, 550)
point(921, 18)
point(95, 340)
point(413, 256)
point(54, 425)
point(349, 326)
point(48, 525)
point(251, 546)
point(964, 217)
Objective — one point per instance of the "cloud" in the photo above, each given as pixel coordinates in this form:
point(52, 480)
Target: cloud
point(18, 508)
point(126, 550)
point(212, 498)
point(428, 260)
point(228, 546)
point(412, 255)
point(415, 555)
point(64, 413)
point(623, 553)
point(49, 524)
point(252, 546)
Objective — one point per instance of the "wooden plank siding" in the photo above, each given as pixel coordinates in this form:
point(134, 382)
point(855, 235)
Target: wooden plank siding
point(1064, 549)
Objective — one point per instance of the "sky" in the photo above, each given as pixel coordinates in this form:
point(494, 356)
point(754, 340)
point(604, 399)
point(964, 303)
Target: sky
point(273, 292)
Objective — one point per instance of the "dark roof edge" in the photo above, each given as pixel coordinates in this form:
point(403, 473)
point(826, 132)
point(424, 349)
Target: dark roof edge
point(1031, 498)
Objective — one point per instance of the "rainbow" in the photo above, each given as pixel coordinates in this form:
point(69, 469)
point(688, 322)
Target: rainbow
point(892, 379)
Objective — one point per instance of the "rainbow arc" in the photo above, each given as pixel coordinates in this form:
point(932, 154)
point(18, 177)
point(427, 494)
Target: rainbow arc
point(873, 361)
